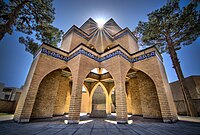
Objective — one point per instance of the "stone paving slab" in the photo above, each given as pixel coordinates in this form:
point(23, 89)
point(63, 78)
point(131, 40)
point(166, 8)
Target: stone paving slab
point(98, 127)
point(83, 132)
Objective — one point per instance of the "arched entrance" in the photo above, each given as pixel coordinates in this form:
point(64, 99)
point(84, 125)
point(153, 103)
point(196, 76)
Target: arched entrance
point(53, 96)
point(99, 84)
point(142, 98)
point(98, 102)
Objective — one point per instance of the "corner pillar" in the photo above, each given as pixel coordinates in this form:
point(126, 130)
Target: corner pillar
point(118, 68)
point(121, 105)
point(80, 68)
point(75, 101)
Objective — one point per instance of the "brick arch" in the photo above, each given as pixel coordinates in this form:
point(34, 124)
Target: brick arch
point(149, 74)
point(159, 78)
point(51, 94)
point(143, 90)
point(81, 66)
point(51, 69)
point(105, 92)
point(155, 75)
point(36, 74)
point(112, 89)
point(45, 98)
point(86, 88)
point(45, 72)
point(143, 97)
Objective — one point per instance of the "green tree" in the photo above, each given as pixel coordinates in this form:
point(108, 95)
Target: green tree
point(31, 17)
point(170, 28)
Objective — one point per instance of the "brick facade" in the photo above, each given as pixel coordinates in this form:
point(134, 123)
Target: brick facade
point(48, 92)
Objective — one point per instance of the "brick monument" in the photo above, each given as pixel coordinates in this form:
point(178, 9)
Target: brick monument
point(133, 81)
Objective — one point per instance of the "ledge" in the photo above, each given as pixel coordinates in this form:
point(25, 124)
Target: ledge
point(99, 57)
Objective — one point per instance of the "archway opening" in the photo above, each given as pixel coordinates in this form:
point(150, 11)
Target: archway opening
point(53, 94)
point(99, 84)
point(98, 103)
point(142, 98)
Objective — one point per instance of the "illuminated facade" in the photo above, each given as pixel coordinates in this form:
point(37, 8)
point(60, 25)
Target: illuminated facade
point(97, 70)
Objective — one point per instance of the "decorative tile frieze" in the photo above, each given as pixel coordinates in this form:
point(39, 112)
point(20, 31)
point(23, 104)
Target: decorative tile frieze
point(98, 59)
point(54, 54)
point(144, 56)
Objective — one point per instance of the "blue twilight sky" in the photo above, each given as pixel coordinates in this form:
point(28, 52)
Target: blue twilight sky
point(15, 62)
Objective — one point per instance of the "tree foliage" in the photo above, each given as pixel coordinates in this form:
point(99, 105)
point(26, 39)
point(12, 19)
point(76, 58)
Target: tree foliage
point(31, 17)
point(170, 26)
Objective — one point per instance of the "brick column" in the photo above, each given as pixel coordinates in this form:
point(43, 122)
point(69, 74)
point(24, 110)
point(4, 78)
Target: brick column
point(75, 102)
point(121, 105)
point(118, 68)
point(23, 111)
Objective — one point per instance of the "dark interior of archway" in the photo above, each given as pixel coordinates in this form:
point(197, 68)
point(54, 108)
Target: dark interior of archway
point(113, 105)
point(98, 103)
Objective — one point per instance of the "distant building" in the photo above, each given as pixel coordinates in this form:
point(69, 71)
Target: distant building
point(11, 93)
point(9, 97)
point(2, 85)
point(193, 84)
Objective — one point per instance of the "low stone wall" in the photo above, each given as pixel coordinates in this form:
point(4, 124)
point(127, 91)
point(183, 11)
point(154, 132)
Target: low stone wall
point(7, 106)
point(181, 107)
point(197, 105)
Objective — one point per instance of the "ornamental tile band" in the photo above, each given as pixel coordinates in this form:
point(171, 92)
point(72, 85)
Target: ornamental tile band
point(98, 59)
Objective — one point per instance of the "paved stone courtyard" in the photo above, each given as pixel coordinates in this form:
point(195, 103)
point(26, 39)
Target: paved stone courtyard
point(89, 126)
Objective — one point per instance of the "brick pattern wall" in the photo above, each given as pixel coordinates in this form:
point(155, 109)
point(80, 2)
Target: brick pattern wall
point(85, 102)
point(61, 95)
point(150, 104)
point(133, 89)
point(180, 106)
point(7, 106)
point(68, 97)
point(193, 84)
point(46, 96)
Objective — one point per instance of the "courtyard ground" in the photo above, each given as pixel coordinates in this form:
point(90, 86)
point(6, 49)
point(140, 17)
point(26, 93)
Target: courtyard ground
point(108, 126)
